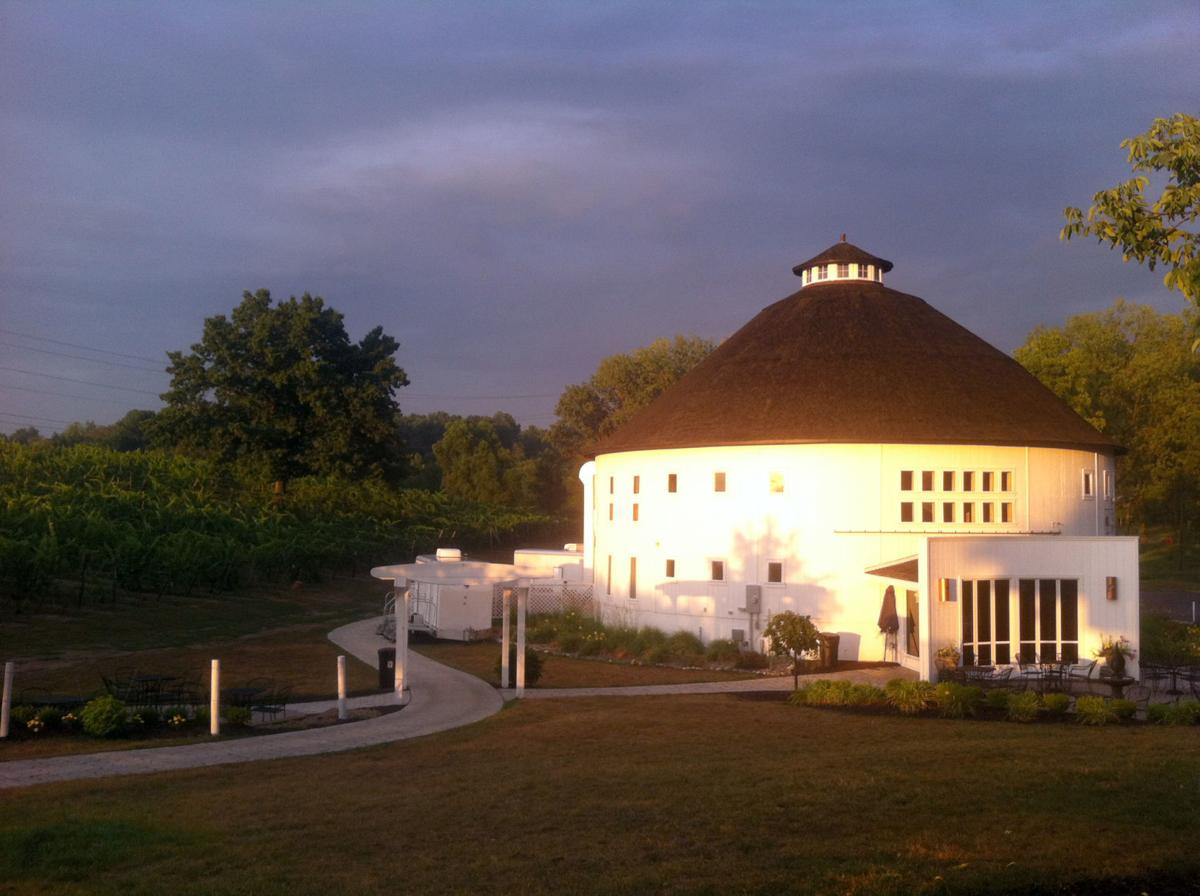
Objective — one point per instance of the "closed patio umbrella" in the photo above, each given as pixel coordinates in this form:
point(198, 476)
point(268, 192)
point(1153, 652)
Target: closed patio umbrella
point(889, 621)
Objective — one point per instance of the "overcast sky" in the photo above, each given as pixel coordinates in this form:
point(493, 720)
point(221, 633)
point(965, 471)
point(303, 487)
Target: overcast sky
point(515, 191)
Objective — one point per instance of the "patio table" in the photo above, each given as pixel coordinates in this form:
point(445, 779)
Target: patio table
point(240, 696)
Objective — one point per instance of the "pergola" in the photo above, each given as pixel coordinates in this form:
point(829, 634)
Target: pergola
point(463, 573)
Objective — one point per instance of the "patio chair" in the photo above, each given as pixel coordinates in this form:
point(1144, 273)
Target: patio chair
point(273, 701)
point(1028, 673)
point(1191, 675)
point(1139, 694)
point(1155, 677)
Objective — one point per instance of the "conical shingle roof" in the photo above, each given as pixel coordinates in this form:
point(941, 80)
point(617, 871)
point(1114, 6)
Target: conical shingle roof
point(854, 361)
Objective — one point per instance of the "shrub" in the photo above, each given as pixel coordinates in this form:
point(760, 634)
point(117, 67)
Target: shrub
point(684, 645)
point(827, 693)
point(996, 698)
point(1125, 709)
point(20, 715)
point(1056, 704)
point(752, 660)
point(657, 653)
point(1022, 707)
point(49, 716)
point(542, 630)
point(150, 717)
point(69, 721)
point(722, 650)
point(533, 667)
point(104, 717)
point(1091, 710)
point(238, 716)
point(866, 695)
point(1183, 713)
point(909, 697)
point(957, 701)
point(202, 716)
point(570, 642)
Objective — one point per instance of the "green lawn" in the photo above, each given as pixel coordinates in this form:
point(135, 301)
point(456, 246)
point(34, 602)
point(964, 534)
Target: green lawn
point(701, 794)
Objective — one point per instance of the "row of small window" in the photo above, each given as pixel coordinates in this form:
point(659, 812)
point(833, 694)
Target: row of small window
point(774, 484)
point(987, 512)
point(987, 480)
point(1089, 484)
point(823, 271)
point(716, 569)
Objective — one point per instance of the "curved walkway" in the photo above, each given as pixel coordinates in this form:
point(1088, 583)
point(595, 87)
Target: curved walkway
point(440, 698)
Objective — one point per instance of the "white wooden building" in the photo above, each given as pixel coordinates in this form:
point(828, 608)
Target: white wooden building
point(848, 439)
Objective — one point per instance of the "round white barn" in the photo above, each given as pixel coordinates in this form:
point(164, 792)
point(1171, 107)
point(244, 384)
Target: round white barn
point(847, 440)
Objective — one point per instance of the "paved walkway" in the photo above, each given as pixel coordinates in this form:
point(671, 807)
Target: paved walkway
point(441, 698)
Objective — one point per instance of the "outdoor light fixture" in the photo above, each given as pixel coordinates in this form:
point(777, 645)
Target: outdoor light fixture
point(1110, 587)
point(945, 590)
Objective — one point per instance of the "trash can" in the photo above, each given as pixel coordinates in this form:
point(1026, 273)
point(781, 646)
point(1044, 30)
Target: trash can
point(829, 650)
point(387, 667)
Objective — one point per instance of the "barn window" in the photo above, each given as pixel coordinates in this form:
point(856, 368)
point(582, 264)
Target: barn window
point(927, 511)
point(777, 483)
point(906, 480)
point(987, 511)
point(1089, 484)
point(906, 509)
point(610, 511)
point(843, 270)
point(672, 483)
point(968, 512)
point(611, 486)
point(718, 482)
point(864, 271)
point(968, 481)
point(1006, 481)
point(927, 481)
point(1107, 486)
point(1006, 512)
point(987, 481)
point(718, 570)
point(637, 484)
point(948, 481)
point(670, 569)
point(633, 578)
point(947, 511)
point(774, 572)
point(822, 271)
point(635, 513)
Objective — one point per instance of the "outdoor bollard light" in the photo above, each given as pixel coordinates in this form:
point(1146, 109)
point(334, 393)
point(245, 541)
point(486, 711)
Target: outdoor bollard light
point(214, 700)
point(6, 701)
point(341, 688)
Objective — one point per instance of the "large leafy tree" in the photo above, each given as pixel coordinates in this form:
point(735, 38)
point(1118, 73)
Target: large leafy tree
point(621, 386)
point(1160, 230)
point(495, 461)
point(283, 386)
point(1129, 371)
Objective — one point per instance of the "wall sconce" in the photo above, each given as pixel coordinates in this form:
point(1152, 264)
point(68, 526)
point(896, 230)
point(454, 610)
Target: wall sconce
point(1110, 587)
point(945, 590)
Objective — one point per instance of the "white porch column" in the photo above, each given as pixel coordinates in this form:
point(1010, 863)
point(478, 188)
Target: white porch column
point(927, 603)
point(522, 603)
point(403, 611)
point(587, 475)
point(505, 636)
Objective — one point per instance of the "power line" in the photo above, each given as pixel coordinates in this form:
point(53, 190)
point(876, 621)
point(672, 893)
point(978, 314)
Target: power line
point(102, 351)
point(49, 351)
point(67, 379)
point(68, 395)
point(28, 417)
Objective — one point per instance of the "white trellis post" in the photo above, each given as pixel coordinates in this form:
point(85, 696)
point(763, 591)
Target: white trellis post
point(214, 700)
point(522, 602)
point(341, 666)
point(506, 635)
point(403, 611)
point(6, 699)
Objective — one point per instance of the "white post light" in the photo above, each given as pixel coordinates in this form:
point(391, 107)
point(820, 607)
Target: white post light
point(341, 688)
point(6, 700)
point(505, 636)
point(522, 601)
point(214, 700)
point(403, 611)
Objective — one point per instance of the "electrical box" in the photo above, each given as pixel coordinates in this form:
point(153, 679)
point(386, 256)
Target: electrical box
point(754, 598)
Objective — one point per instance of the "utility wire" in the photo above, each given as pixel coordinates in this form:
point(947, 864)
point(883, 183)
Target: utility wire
point(67, 395)
point(50, 351)
point(102, 351)
point(67, 379)
point(28, 417)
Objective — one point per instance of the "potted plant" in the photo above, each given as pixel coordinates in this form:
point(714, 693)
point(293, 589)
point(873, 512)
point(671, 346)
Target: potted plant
point(1115, 651)
point(947, 657)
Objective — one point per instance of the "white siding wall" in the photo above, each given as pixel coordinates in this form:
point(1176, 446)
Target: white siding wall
point(839, 513)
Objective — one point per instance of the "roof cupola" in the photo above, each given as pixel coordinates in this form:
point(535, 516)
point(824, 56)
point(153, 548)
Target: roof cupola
point(842, 261)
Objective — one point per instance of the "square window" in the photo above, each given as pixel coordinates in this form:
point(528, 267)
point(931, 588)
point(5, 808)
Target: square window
point(927, 511)
point(1006, 512)
point(987, 481)
point(777, 483)
point(843, 270)
point(947, 511)
point(822, 271)
point(637, 484)
point(864, 271)
point(927, 481)
point(948, 481)
point(672, 483)
point(906, 511)
point(718, 482)
point(670, 569)
point(774, 572)
point(987, 511)
point(906, 480)
point(1006, 482)
point(718, 570)
point(968, 481)
point(968, 512)
point(635, 513)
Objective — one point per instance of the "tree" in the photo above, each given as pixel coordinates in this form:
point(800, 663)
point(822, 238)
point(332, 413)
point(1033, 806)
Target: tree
point(131, 433)
point(26, 435)
point(477, 465)
point(621, 386)
point(794, 636)
point(1153, 233)
point(1128, 371)
point(284, 386)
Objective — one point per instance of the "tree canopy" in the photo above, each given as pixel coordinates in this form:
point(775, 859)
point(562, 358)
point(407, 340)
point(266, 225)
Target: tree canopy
point(1128, 370)
point(283, 385)
point(1153, 232)
point(496, 462)
point(622, 385)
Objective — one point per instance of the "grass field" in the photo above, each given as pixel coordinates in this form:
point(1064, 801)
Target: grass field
point(703, 794)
